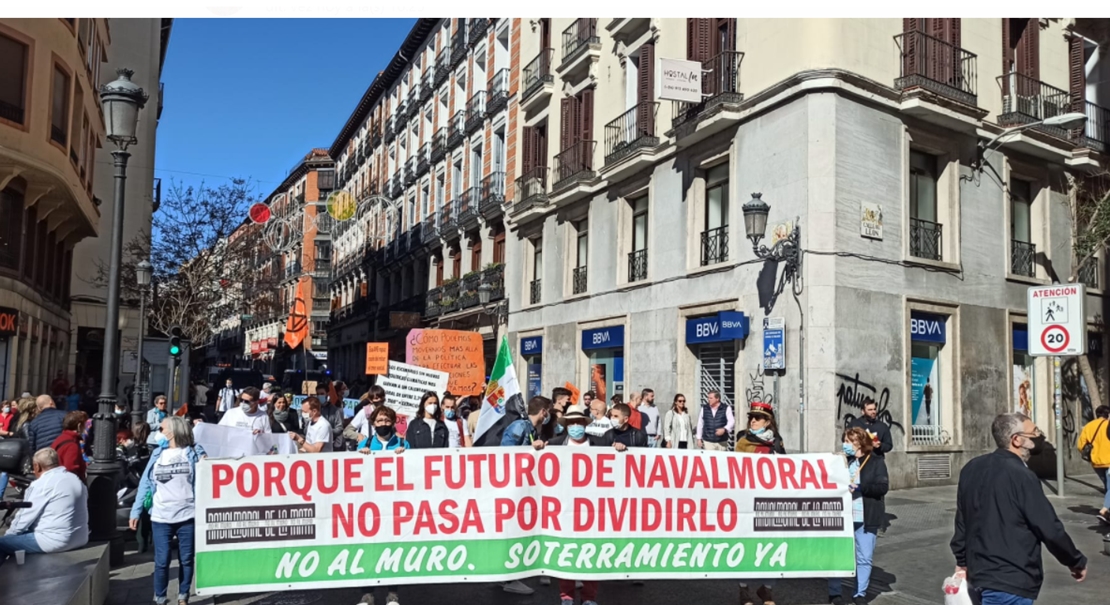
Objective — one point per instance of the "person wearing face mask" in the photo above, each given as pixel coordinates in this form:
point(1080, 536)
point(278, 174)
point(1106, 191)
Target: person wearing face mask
point(458, 432)
point(868, 482)
point(283, 419)
point(623, 435)
point(761, 437)
point(8, 419)
point(331, 408)
point(526, 431)
point(226, 399)
point(1003, 517)
point(361, 424)
point(122, 412)
point(247, 415)
point(154, 418)
point(317, 437)
point(384, 438)
point(428, 431)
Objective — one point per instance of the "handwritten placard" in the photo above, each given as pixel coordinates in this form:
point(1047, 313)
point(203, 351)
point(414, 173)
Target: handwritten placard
point(406, 384)
point(456, 352)
point(377, 357)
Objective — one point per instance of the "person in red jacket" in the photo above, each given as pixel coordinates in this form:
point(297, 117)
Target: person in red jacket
point(68, 444)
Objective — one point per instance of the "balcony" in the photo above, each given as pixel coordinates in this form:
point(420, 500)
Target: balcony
point(439, 145)
point(458, 44)
point(448, 219)
point(12, 113)
point(578, 285)
point(1096, 133)
point(321, 269)
point(478, 29)
point(714, 245)
point(422, 159)
point(400, 121)
point(1025, 100)
point(637, 265)
point(443, 67)
point(456, 129)
point(475, 111)
point(431, 303)
point(720, 105)
point(631, 139)
point(1023, 258)
point(498, 97)
point(410, 171)
point(575, 164)
point(538, 81)
point(431, 230)
point(931, 64)
point(58, 135)
point(293, 270)
point(925, 239)
point(581, 46)
point(376, 138)
point(535, 293)
point(396, 187)
point(494, 276)
point(468, 207)
point(388, 131)
point(492, 195)
point(427, 86)
point(325, 180)
point(531, 190)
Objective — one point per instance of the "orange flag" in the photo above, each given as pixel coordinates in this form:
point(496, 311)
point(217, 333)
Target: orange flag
point(182, 411)
point(296, 327)
point(574, 393)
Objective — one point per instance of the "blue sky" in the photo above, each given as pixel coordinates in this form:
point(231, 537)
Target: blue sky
point(249, 97)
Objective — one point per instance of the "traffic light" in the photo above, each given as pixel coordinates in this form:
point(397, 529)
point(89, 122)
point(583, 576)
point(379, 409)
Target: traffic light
point(175, 342)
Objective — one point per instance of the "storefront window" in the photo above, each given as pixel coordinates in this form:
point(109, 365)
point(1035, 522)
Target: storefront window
point(928, 374)
point(1024, 387)
point(532, 350)
point(604, 347)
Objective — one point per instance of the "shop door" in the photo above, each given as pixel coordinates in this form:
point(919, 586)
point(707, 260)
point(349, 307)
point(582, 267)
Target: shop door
point(717, 371)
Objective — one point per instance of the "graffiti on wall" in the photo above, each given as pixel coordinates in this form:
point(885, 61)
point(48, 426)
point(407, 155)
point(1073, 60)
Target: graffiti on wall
point(756, 392)
point(1073, 390)
point(851, 393)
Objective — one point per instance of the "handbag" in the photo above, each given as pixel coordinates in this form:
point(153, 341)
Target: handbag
point(1085, 452)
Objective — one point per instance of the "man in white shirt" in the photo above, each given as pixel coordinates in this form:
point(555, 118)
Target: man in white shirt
point(201, 389)
point(58, 519)
point(458, 433)
point(317, 431)
point(227, 399)
point(599, 413)
point(247, 415)
point(651, 417)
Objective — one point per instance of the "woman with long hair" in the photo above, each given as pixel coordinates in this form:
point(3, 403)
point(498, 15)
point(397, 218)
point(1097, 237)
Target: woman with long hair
point(761, 437)
point(869, 482)
point(678, 425)
point(428, 430)
point(283, 419)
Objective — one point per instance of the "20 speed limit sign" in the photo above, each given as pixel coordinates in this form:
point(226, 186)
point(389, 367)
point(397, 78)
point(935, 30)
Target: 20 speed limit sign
point(1057, 320)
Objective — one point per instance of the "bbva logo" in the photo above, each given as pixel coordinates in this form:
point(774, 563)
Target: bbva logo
point(926, 327)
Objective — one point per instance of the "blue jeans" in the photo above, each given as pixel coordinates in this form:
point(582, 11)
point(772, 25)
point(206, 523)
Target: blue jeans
point(652, 442)
point(994, 597)
point(3, 484)
point(163, 532)
point(1101, 472)
point(865, 551)
point(25, 542)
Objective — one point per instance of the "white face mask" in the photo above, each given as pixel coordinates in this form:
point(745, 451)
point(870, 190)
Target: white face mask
point(431, 409)
point(7, 409)
point(243, 405)
point(307, 416)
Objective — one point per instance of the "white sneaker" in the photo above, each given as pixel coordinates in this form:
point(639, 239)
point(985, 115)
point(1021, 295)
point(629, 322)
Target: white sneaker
point(545, 581)
point(517, 587)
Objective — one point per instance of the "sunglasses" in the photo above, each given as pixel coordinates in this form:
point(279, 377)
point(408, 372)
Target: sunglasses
point(246, 400)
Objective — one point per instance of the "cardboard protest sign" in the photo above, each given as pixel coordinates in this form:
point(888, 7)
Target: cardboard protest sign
point(308, 387)
point(456, 352)
point(405, 384)
point(377, 357)
point(232, 442)
point(437, 516)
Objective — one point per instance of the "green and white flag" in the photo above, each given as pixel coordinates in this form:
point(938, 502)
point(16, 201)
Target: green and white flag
point(502, 402)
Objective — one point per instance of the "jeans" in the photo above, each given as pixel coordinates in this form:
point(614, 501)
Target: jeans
point(865, 551)
point(589, 590)
point(25, 542)
point(653, 441)
point(3, 484)
point(163, 532)
point(1101, 472)
point(994, 597)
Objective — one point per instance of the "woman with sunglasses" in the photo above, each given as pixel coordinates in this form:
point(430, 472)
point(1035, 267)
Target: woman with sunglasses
point(678, 425)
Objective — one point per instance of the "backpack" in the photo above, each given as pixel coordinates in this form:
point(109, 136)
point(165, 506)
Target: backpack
point(1090, 446)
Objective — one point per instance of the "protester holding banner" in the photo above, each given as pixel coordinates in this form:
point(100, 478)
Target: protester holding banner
point(623, 435)
point(317, 432)
point(361, 423)
point(247, 415)
point(457, 429)
point(429, 431)
point(761, 437)
point(526, 431)
point(678, 425)
point(869, 483)
point(168, 484)
point(385, 437)
point(282, 419)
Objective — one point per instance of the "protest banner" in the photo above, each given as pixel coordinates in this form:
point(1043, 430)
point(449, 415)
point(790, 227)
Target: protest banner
point(233, 442)
point(471, 515)
point(456, 352)
point(349, 404)
point(405, 384)
point(377, 357)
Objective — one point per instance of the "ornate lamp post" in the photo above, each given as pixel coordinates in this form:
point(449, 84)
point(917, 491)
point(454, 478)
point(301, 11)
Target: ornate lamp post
point(121, 100)
point(143, 273)
point(789, 252)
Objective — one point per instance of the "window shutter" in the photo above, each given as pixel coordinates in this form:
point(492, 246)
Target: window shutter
point(910, 63)
point(567, 122)
point(528, 139)
point(1077, 74)
point(954, 36)
point(1028, 52)
point(539, 147)
point(586, 115)
point(1007, 56)
point(645, 114)
point(699, 39)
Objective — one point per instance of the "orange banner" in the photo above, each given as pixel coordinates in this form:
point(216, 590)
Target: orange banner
point(377, 358)
point(574, 393)
point(456, 352)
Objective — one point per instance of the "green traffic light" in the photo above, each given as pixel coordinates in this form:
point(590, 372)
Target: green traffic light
point(175, 350)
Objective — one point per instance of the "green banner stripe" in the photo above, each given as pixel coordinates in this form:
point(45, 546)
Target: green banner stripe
point(399, 562)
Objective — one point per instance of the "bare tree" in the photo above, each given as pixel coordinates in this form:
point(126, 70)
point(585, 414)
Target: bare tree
point(1089, 209)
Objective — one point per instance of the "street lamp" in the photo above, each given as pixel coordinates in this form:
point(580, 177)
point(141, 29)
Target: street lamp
point(485, 292)
point(1067, 121)
point(121, 100)
point(788, 251)
point(143, 273)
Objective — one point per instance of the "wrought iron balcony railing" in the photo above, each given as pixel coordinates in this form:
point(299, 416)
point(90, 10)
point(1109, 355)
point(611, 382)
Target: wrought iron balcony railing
point(422, 159)
point(439, 145)
point(536, 293)
point(935, 65)
point(538, 72)
point(12, 113)
point(492, 192)
point(575, 162)
point(475, 111)
point(456, 129)
point(458, 44)
point(634, 129)
point(1023, 258)
point(1026, 100)
point(579, 279)
point(498, 91)
point(720, 85)
point(478, 28)
point(531, 188)
point(448, 218)
point(1088, 273)
point(431, 228)
point(468, 206)
point(1095, 134)
point(925, 239)
point(714, 245)
point(578, 37)
point(443, 67)
point(637, 265)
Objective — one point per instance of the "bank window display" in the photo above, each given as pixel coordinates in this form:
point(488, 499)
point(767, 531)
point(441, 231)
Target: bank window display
point(930, 379)
point(604, 349)
point(1024, 398)
point(531, 348)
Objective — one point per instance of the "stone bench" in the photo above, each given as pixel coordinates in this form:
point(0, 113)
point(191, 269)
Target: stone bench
point(77, 577)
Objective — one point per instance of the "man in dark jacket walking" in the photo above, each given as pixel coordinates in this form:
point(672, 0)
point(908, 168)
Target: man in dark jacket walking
point(876, 429)
point(1003, 517)
point(47, 425)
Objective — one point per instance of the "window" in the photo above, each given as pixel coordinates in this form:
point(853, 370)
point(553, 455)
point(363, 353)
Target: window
point(476, 165)
point(456, 264)
point(534, 287)
point(1024, 378)
point(476, 256)
point(75, 150)
point(13, 80)
point(426, 199)
point(1022, 249)
point(498, 151)
point(11, 229)
point(637, 258)
point(930, 379)
point(499, 247)
point(925, 231)
point(59, 107)
point(714, 239)
point(581, 256)
point(456, 177)
point(440, 183)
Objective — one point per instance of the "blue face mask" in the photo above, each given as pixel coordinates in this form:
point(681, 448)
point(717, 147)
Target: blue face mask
point(576, 432)
point(849, 451)
point(162, 440)
point(759, 431)
point(450, 414)
point(161, 415)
